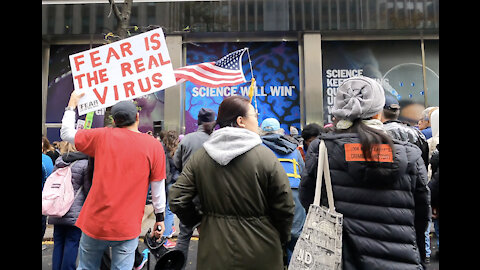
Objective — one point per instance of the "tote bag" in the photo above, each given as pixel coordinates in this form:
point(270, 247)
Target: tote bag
point(320, 243)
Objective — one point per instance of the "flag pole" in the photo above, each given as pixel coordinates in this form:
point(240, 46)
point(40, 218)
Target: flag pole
point(252, 81)
point(249, 61)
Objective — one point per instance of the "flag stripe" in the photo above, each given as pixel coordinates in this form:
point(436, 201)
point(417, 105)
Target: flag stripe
point(201, 80)
point(216, 85)
point(208, 75)
point(225, 72)
point(210, 66)
point(218, 70)
point(182, 73)
point(180, 80)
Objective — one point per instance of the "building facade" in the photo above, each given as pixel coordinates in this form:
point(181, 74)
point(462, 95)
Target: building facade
point(300, 51)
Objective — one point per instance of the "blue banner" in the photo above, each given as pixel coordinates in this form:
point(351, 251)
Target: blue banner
point(275, 68)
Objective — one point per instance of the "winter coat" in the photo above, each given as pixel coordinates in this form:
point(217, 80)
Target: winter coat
point(404, 132)
point(281, 147)
point(80, 178)
point(170, 169)
point(47, 167)
point(385, 205)
point(246, 202)
point(434, 183)
point(189, 144)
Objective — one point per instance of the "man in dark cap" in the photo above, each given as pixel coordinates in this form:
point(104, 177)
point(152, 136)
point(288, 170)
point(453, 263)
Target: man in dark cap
point(192, 141)
point(113, 211)
point(189, 144)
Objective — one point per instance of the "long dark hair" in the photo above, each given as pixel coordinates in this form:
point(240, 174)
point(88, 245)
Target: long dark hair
point(368, 137)
point(230, 108)
point(171, 142)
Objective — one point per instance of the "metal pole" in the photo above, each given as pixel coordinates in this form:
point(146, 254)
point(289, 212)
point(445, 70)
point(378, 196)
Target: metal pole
point(251, 71)
point(424, 73)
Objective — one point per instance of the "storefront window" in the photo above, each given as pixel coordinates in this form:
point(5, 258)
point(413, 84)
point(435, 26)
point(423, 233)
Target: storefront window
point(396, 64)
point(276, 71)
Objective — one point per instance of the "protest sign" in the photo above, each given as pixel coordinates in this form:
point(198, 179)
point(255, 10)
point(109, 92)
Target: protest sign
point(123, 70)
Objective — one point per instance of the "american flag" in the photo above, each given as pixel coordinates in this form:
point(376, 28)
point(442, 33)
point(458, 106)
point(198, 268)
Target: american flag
point(225, 72)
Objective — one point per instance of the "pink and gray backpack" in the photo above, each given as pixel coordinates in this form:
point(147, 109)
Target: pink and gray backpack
point(58, 194)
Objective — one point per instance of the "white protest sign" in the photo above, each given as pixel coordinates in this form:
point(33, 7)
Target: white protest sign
point(123, 70)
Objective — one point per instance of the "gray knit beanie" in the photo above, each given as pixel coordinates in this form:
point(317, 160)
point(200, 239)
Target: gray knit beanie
point(358, 97)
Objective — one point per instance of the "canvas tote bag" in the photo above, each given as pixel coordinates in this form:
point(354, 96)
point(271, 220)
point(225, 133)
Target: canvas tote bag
point(320, 243)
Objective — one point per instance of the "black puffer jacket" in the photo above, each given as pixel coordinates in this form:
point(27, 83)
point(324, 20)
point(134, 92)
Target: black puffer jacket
point(434, 183)
point(385, 205)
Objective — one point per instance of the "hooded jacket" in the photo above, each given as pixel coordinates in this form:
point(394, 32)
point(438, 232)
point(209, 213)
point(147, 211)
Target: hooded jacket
point(385, 205)
point(283, 148)
point(246, 202)
point(404, 132)
point(80, 178)
point(279, 143)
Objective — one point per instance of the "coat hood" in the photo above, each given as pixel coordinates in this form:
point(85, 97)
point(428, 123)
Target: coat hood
point(435, 123)
point(279, 143)
point(227, 143)
point(68, 158)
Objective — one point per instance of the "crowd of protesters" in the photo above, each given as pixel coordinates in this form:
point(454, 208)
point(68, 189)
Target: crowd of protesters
point(247, 186)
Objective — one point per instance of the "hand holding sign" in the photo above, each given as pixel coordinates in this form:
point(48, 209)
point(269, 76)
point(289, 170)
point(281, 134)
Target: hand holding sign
point(122, 70)
point(74, 98)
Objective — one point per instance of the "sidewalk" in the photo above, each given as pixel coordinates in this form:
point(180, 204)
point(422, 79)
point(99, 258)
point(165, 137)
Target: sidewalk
point(148, 221)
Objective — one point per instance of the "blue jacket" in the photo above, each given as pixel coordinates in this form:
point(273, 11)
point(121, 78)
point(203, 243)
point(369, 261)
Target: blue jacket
point(47, 168)
point(288, 155)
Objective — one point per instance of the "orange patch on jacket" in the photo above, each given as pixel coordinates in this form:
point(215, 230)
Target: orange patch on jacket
point(380, 153)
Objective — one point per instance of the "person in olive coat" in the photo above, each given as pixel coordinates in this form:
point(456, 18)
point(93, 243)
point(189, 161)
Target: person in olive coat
point(246, 204)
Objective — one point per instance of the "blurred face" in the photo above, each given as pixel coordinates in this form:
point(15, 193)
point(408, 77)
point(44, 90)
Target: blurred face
point(307, 142)
point(423, 124)
point(250, 120)
point(413, 112)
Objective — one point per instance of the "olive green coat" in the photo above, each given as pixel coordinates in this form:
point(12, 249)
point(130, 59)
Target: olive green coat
point(246, 205)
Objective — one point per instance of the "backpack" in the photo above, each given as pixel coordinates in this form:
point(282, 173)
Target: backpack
point(58, 194)
point(291, 167)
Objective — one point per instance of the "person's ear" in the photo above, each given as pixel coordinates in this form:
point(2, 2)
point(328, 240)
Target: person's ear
point(241, 121)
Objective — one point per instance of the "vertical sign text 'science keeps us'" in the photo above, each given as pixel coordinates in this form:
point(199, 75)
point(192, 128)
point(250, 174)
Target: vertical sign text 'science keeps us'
point(123, 70)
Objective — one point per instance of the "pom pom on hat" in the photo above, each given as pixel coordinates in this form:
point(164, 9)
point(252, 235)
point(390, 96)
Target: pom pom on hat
point(358, 97)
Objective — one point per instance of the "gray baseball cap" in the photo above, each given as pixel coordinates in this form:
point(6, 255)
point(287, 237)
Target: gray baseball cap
point(124, 113)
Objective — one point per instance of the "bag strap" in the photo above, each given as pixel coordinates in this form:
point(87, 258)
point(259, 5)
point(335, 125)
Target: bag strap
point(323, 169)
point(81, 187)
point(78, 191)
point(71, 164)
